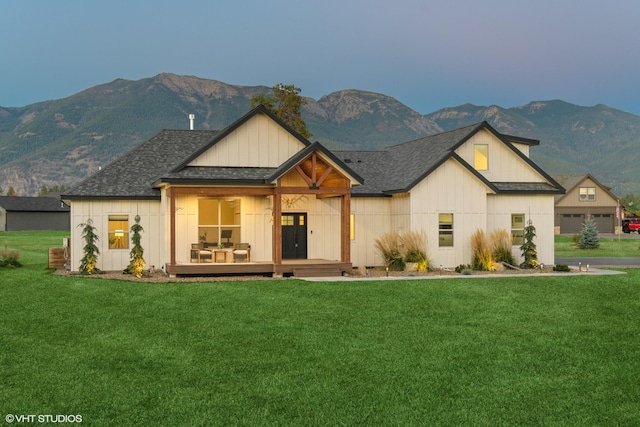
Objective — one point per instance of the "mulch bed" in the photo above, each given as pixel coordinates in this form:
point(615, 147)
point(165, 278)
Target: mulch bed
point(160, 277)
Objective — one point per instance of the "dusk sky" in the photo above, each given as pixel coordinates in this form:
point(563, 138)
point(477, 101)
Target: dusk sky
point(427, 54)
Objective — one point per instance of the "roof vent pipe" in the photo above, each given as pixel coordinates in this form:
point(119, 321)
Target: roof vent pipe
point(191, 118)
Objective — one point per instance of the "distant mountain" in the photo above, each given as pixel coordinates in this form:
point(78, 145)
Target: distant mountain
point(61, 142)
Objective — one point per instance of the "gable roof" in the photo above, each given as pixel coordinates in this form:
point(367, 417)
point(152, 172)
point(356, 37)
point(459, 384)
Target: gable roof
point(400, 167)
point(165, 158)
point(571, 182)
point(33, 204)
point(133, 175)
point(235, 125)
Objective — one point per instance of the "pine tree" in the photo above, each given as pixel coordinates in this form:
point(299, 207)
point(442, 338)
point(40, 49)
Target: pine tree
point(528, 248)
point(589, 234)
point(91, 251)
point(286, 104)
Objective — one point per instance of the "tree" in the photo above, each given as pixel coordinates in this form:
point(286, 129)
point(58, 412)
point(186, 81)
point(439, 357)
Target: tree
point(589, 234)
point(286, 104)
point(528, 248)
point(91, 251)
point(11, 192)
point(136, 266)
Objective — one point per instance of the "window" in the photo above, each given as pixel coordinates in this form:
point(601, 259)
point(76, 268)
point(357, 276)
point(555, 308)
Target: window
point(587, 194)
point(481, 157)
point(517, 229)
point(118, 232)
point(219, 221)
point(352, 227)
point(445, 229)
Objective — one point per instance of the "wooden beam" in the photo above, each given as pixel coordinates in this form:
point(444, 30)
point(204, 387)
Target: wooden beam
point(336, 191)
point(172, 226)
point(224, 191)
point(345, 228)
point(304, 176)
point(324, 175)
point(277, 224)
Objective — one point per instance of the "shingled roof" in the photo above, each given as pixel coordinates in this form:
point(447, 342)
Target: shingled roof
point(400, 167)
point(133, 175)
point(32, 204)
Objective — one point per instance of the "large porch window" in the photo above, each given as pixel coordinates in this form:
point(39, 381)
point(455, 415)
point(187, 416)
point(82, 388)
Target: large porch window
point(219, 221)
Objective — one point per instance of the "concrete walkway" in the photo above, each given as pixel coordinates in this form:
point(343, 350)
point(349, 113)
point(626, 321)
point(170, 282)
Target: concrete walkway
point(591, 272)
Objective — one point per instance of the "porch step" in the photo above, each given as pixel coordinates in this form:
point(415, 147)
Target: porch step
point(329, 271)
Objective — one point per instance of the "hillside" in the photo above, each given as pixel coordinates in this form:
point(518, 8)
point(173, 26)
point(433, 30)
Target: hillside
point(62, 141)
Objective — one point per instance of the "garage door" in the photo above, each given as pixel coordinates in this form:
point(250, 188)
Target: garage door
point(605, 223)
point(571, 223)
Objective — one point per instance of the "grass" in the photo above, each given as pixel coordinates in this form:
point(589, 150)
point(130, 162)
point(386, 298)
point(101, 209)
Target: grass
point(609, 247)
point(500, 351)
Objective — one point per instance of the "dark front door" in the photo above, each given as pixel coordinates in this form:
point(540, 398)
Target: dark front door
point(294, 235)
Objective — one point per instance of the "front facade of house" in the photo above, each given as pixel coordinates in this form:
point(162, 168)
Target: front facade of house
point(203, 193)
point(585, 196)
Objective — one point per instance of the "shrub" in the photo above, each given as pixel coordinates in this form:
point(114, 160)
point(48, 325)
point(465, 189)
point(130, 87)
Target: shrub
point(91, 251)
point(481, 256)
point(463, 269)
point(414, 247)
point(9, 257)
point(576, 239)
point(589, 235)
point(501, 241)
point(561, 267)
point(389, 248)
point(528, 248)
point(136, 266)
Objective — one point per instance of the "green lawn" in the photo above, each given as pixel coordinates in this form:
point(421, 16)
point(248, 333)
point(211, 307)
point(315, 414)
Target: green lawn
point(496, 351)
point(609, 247)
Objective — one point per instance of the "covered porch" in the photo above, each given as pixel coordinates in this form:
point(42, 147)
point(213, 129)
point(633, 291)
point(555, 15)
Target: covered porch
point(293, 268)
point(303, 229)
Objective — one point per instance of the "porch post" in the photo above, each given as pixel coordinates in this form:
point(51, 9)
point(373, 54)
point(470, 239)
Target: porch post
point(172, 224)
point(345, 227)
point(277, 224)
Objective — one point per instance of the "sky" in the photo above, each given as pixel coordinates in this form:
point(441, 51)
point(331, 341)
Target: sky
point(427, 54)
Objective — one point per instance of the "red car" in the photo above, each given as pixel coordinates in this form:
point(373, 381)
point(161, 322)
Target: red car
point(631, 224)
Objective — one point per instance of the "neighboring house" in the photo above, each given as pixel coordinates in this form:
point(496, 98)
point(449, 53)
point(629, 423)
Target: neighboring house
point(33, 213)
point(299, 205)
point(584, 196)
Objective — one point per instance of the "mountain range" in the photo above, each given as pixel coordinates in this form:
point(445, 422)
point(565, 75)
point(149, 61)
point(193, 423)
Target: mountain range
point(60, 142)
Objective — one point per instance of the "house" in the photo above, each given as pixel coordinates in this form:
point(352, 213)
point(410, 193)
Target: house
point(301, 207)
point(584, 196)
point(33, 213)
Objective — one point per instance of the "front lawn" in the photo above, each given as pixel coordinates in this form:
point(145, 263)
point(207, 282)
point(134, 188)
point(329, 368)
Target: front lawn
point(495, 351)
point(609, 247)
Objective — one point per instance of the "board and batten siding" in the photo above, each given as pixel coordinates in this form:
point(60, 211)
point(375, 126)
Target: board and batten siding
point(504, 164)
point(152, 239)
point(449, 189)
point(603, 198)
point(372, 220)
point(259, 142)
point(537, 208)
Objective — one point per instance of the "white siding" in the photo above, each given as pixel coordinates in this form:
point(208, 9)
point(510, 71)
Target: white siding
point(449, 189)
point(372, 219)
point(117, 259)
point(504, 164)
point(537, 208)
point(260, 142)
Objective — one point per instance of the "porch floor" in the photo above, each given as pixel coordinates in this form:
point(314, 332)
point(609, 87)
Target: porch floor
point(292, 267)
